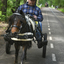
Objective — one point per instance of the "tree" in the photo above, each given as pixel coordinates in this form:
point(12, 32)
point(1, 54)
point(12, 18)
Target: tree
point(4, 7)
point(17, 4)
point(24, 1)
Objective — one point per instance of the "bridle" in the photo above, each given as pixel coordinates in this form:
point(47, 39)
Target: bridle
point(15, 26)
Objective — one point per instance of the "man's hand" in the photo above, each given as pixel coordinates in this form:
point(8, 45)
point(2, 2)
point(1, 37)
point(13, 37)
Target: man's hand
point(35, 17)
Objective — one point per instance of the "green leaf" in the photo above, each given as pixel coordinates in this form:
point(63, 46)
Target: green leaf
point(0, 13)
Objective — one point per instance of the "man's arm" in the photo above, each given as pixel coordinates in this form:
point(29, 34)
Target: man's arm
point(40, 16)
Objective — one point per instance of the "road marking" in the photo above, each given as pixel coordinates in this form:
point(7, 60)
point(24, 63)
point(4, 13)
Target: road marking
point(50, 38)
point(49, 32)
point(51, 45)
point(48, 28)
point(53, 57)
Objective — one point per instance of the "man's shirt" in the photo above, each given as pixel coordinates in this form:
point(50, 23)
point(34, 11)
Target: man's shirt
point(32, 10)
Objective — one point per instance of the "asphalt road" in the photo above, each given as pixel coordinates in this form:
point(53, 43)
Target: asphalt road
point(53, 25)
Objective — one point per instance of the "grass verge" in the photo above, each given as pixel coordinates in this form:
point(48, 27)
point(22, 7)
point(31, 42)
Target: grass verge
point(61, 9)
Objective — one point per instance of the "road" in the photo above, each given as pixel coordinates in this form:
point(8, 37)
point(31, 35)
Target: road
point(53, 25)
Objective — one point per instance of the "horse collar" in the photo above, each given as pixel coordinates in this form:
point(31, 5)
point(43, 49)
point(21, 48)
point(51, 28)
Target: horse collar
point(17, 13)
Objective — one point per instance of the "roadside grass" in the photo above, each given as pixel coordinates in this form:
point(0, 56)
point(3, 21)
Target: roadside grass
point(61, 9)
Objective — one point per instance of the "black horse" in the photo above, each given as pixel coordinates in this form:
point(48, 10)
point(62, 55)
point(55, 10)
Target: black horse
point(17, 33)
point(21, 32)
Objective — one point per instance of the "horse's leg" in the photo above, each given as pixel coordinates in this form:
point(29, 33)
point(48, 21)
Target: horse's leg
point(17, 48)
point(23, 54)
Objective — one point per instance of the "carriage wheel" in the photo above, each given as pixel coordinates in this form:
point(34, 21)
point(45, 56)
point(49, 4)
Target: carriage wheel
point(8, 46)
point(44, 47)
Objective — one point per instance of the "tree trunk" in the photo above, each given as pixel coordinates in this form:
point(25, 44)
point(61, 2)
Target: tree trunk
point(25, 1)
point(4, 7)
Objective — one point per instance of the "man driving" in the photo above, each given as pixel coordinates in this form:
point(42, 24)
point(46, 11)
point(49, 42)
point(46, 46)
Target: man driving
point(31, 8)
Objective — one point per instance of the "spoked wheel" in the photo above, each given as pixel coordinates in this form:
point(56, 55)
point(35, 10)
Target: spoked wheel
point(8, 46)
point(44, 47)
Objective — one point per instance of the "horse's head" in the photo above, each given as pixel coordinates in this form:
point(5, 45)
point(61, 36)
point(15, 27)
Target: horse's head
point(17, 20)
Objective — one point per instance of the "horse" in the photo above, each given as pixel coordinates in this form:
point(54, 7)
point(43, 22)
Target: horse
point(18, 24)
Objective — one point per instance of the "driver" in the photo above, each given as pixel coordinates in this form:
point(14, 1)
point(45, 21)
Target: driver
point(31, 8)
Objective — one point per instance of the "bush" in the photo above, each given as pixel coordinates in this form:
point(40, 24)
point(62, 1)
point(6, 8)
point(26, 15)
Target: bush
point(61, 9)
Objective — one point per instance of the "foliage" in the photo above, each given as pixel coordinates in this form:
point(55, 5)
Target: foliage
point(11, 4)
point(1, 5)
point(59, 3)
point(1, 16)
point(61, 9)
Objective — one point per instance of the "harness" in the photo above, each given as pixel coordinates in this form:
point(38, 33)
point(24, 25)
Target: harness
point(30, 21)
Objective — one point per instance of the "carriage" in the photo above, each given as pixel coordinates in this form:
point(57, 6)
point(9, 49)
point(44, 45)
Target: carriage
point(24, 35)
